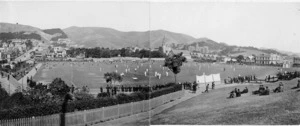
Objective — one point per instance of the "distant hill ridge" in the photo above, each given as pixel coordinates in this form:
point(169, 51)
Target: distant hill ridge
point(108, 37)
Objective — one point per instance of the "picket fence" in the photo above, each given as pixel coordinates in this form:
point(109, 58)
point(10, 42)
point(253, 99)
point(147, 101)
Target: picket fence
point(87, 117)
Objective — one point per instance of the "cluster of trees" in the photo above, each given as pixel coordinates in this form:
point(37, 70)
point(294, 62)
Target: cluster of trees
point(98, 52)
point(19, 35)
point(36, 94)
point(57, 31)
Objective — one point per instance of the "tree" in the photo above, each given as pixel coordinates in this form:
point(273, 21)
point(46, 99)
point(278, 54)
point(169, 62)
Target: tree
point(240, 58)
point(59, 87)
point(174, 62)
point(3, 93)
point(112, 77)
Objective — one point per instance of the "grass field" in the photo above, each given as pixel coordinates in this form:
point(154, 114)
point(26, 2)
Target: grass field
point(214, 108)
point(88, 73)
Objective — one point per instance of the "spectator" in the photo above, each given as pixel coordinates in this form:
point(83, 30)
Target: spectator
point(245, 90)
point(238, 93)
point(266, 92)
point(207, 86)
point(101, 89)
point(231, 94)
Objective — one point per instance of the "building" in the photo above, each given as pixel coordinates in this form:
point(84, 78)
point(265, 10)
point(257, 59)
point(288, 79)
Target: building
point(197, 48)
point(249, 60)
point(166, 49)
point(275, 59)
point(191, 48)
point(62, 53)
point(287, 64)
point(186, 53)
point(262, 59)
point(39, 55)
point(296, 61)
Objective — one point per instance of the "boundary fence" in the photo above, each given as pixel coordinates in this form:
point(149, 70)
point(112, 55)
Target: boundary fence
point(87, 117)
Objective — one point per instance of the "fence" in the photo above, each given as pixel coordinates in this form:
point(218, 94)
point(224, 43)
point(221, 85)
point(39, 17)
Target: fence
point(91, 116)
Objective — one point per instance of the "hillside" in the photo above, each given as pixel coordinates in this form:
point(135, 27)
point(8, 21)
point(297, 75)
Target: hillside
point(19, 35)
point(14, 30)
point(107, 37)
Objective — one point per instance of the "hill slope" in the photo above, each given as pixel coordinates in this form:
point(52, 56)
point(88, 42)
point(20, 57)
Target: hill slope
point(107, 37)
point(26, 29)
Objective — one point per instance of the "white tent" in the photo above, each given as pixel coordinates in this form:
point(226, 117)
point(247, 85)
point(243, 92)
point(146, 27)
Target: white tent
point(200, 79)
point(217, 78)
point(204, 79)
point(209, 78)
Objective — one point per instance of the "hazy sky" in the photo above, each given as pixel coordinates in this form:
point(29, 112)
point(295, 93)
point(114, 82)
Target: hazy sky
point(268, 24)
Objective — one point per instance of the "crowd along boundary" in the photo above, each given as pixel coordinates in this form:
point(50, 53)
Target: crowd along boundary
point(92, 116)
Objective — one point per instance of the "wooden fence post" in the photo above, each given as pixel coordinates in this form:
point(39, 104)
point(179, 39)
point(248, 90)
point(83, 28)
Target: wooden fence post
point(103, 114)
point(33, 121)
point(131, 113)
point(143, 106)
point(119, 111)
point(84, 117)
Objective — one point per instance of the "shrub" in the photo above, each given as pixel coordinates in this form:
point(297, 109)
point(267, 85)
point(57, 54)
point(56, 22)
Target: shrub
point(123, 98)
point(83, 96)
point(83, 102)
point(103, 94)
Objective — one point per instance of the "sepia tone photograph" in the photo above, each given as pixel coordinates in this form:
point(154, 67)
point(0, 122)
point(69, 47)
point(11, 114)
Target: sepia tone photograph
point(149, 62)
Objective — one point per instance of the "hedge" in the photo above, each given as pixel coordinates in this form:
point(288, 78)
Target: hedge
point(85, 104)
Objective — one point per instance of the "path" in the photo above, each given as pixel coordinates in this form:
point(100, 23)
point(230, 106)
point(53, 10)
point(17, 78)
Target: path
point(31, 73)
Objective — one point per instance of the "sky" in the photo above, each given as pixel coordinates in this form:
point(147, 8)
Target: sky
point(259, 24)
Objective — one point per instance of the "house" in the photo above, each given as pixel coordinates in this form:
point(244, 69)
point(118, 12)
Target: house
point(4, 45)
point(62, 53)
point(249, 60)
point(11, 45)
point(223, 59)
point(40, 55)
point(133, 48)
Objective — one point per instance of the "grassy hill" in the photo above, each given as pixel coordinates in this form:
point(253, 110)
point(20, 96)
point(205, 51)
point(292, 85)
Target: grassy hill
point(107, 37)
point(214, 108)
